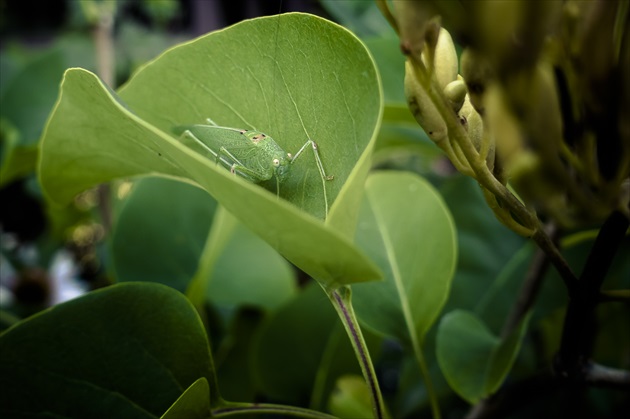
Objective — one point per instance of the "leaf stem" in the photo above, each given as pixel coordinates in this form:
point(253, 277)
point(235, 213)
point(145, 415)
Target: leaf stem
point(433, 400)
point(235, 409)
point(341, 300)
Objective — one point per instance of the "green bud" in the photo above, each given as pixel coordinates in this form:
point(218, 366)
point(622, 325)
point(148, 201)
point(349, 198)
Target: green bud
point(524, 117)
point(445, 60)
point(595, 46)
point(455, 92)
point(415, 27)
point(472, 122)
point(504, 125)
point(535, 97)
point(480, 137)
point(535, 185)
point(422, 108)
point(512, 33)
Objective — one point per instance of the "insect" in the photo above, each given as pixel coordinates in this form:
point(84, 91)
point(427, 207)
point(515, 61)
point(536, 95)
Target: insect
point(250, 154)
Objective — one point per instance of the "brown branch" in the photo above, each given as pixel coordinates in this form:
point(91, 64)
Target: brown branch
point(530, 287)
point(602, 376)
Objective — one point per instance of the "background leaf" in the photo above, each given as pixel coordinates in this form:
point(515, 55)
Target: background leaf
point(28, 95)
point(245, 271)
point(362, 17)
point(473, 360)
point(129, 350)
point(351, 398)
point(484, 244)
point(160, 232)
point(407, 230)
point(194, 403)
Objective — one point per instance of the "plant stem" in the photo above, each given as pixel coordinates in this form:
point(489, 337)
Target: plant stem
point(575, 346)
point(341, 300)
point(248, 409)
point(435, 407)
point(555, 257)
point(602, 376)
point(615, 295)
point(529, 288)
point(527, 219)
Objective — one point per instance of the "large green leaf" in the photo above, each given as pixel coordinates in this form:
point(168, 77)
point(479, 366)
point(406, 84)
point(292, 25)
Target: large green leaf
point(473, 360)
point(407, 229)
point(129, 350)
point(485, 245)
point(294, 76)
point(161, 240)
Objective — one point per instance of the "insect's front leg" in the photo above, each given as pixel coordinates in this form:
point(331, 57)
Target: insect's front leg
point(320, 167)
point(318, 159)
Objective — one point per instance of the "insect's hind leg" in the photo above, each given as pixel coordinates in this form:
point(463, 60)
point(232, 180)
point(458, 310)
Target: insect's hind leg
point(188, 134)
point(218, 157)
point(239, 168)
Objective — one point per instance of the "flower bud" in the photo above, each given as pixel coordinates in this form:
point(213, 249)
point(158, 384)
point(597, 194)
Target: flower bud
point(455, 92)
point(414, 26)
point(479, 136)
point(445, 60)
point(422, 108)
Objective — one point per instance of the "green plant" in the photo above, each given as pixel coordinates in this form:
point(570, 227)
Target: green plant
point(394, 252)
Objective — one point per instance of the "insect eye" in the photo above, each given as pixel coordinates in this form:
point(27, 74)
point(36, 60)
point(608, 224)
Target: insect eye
point(276, 162)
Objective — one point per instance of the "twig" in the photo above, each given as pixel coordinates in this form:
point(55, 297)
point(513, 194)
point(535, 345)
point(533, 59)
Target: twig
point(579, 324)
point(602, 376)
point(531, 286)
point(514, 397)
point(526, 297)
point(622, 296)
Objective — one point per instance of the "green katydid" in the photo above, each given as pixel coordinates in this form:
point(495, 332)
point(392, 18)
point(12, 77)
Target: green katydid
point(250, 154)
